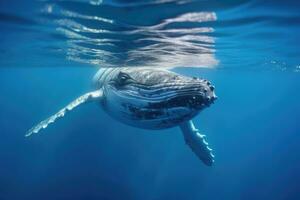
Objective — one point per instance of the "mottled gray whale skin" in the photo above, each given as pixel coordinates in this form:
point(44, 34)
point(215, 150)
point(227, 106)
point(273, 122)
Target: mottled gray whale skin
point(150, 99)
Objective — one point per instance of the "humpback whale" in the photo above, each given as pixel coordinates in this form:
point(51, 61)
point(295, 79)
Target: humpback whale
point(150, 99)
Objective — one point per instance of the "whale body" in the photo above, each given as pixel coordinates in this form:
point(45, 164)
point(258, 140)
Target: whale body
point(150, 99)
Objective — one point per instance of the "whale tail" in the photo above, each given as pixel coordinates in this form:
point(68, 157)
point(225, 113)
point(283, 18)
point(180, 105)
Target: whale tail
point(197, 142)
point(80, 100)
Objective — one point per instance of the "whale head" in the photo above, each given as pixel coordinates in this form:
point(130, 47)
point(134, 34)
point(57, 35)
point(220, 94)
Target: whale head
point(153, 98)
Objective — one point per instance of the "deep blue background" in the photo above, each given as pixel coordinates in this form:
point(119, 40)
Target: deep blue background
point(253, 129)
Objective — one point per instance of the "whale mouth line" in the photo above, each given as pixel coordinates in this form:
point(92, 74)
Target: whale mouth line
point(190, 99)
point(158, 95)
point(166, 85)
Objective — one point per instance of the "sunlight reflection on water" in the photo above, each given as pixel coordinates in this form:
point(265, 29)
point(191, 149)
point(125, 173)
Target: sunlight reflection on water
point(182, 39)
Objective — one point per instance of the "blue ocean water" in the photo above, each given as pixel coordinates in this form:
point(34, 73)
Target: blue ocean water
point(50, 51)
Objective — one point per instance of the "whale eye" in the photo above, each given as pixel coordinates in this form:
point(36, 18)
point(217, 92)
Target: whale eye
point(123, 78)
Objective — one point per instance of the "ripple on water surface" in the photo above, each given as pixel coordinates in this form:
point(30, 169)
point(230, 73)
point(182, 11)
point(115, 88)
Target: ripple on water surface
point(155, 33)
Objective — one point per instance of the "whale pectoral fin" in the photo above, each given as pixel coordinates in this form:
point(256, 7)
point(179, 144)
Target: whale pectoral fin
point(80, 100)
point(197, 142)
